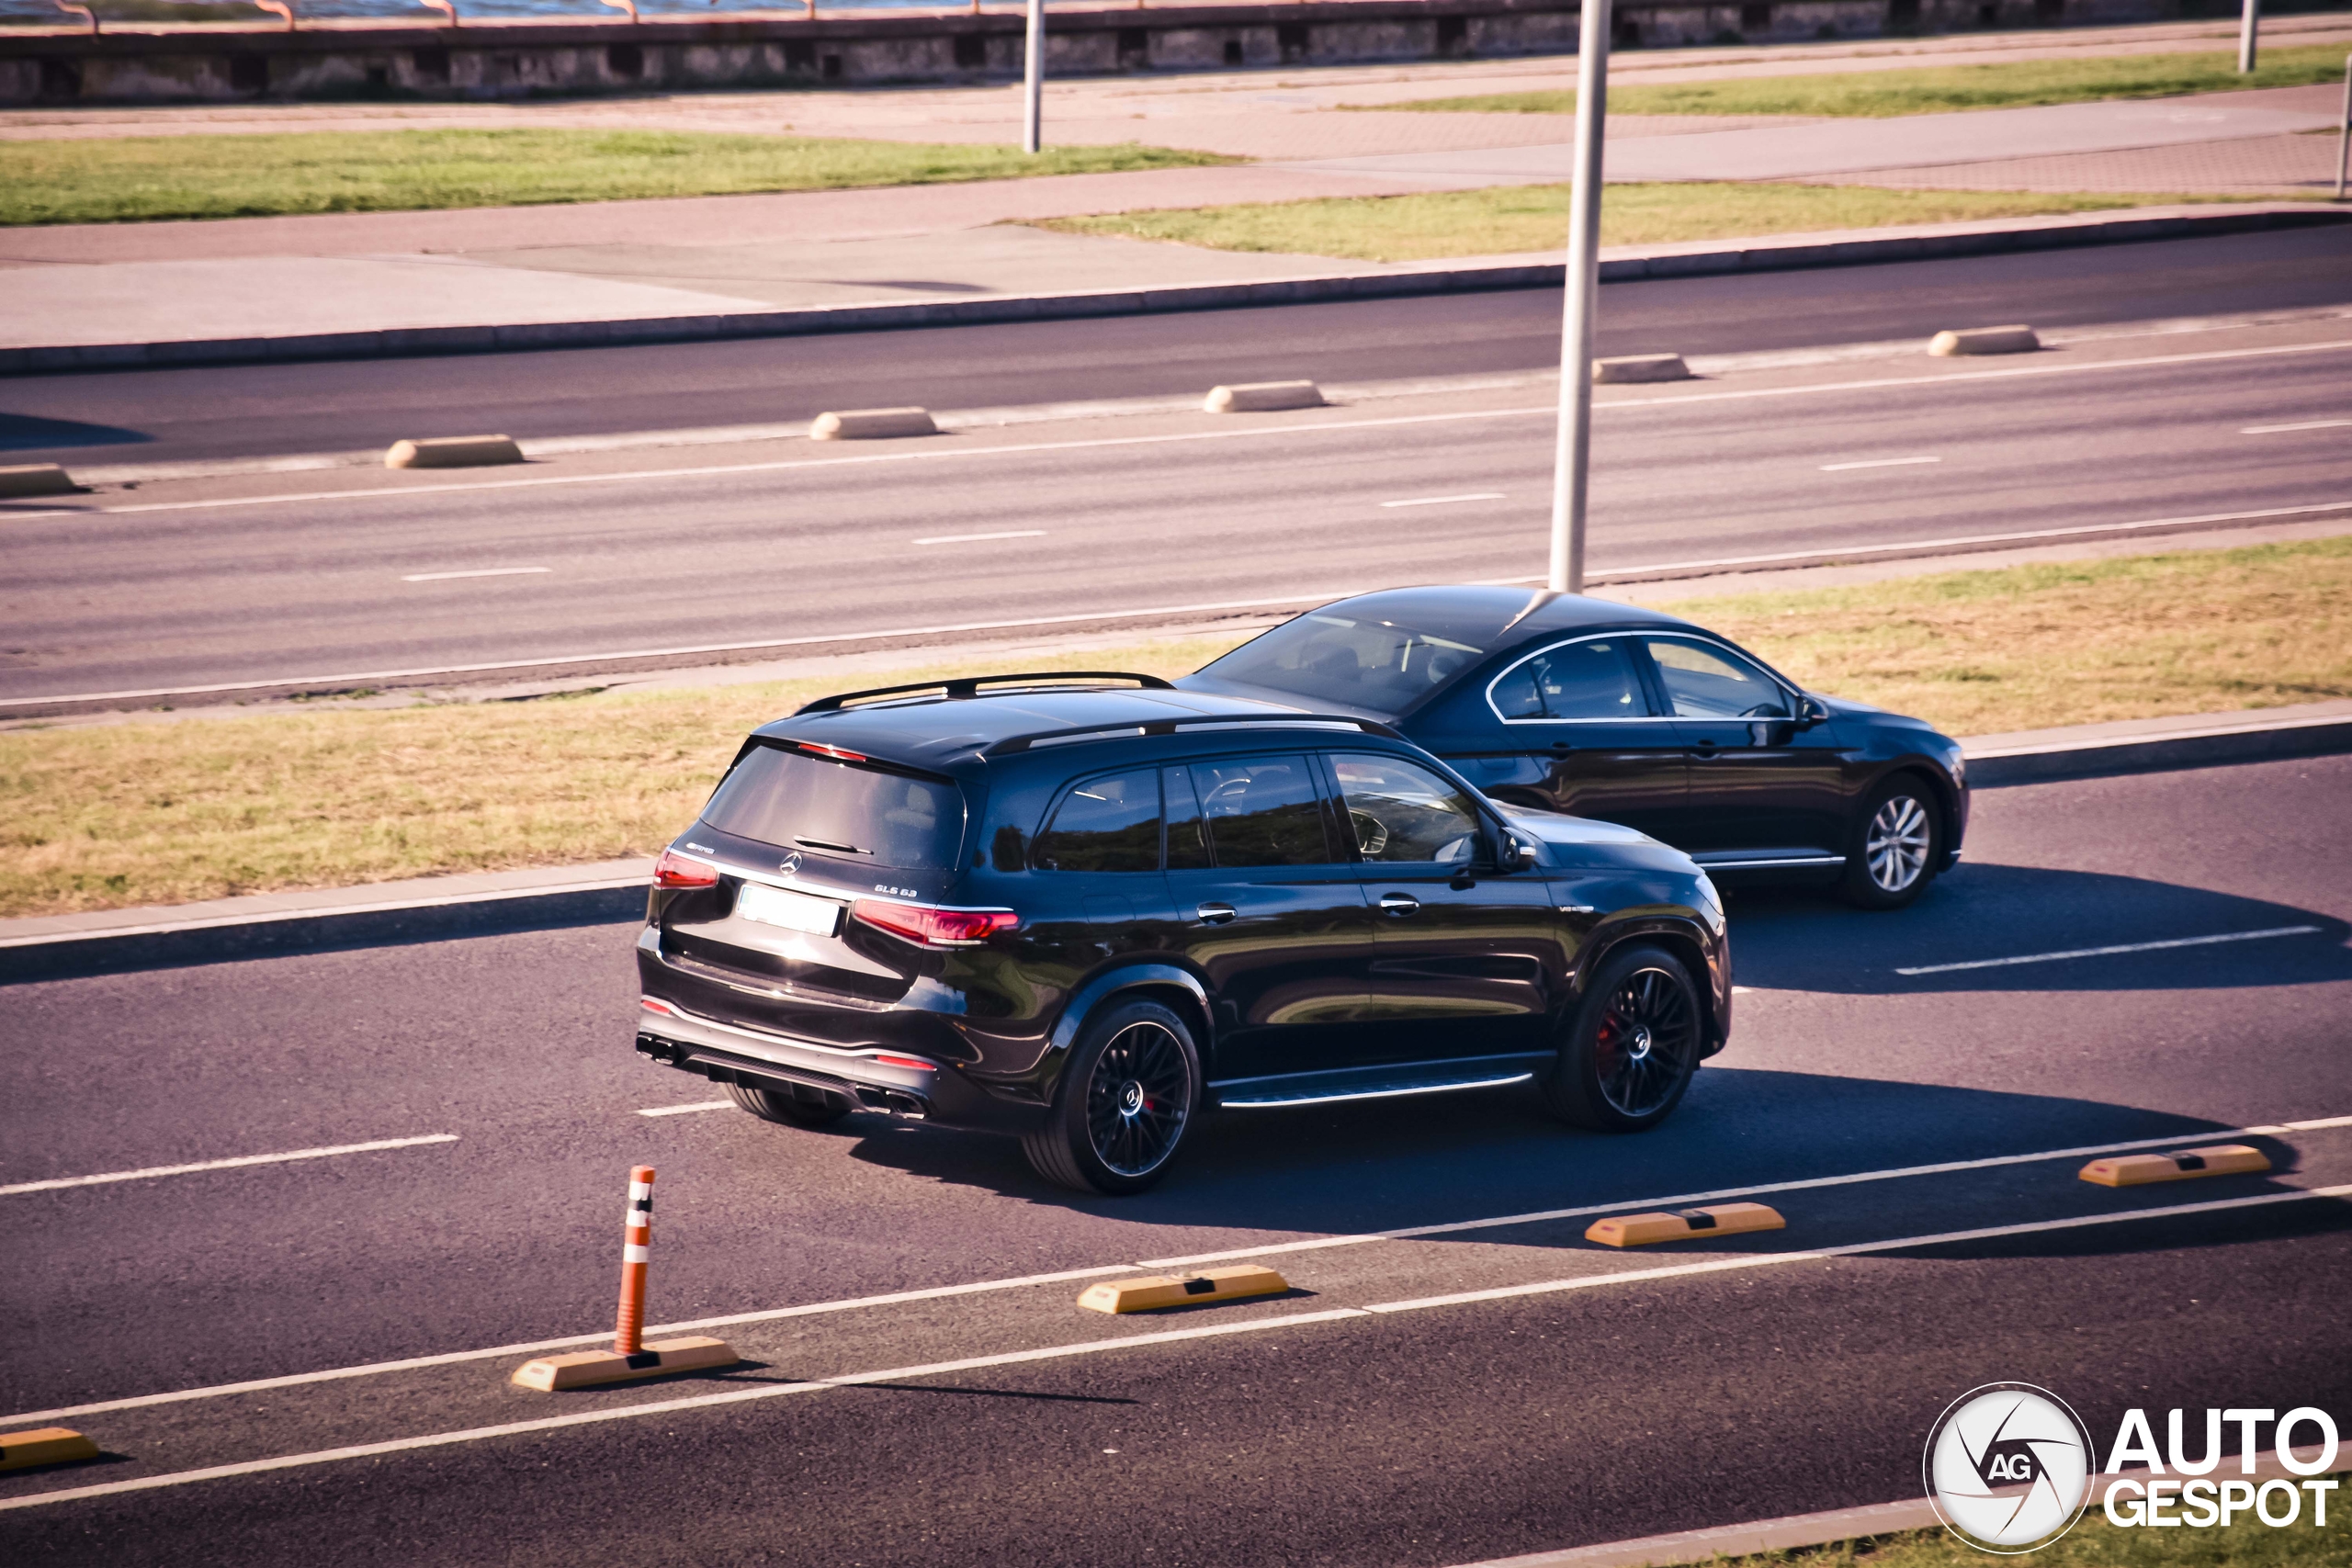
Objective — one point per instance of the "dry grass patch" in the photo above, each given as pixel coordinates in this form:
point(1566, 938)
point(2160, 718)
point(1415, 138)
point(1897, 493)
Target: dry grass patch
point(2030, 647)
point(1512, 219)
point(108, 815)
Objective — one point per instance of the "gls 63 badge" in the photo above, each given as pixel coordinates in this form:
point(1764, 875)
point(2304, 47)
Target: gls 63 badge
point(2008, 1467)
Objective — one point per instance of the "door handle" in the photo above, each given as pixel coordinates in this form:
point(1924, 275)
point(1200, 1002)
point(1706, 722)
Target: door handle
point(1216, 914)
point(1400, 903)
point(1704, 748)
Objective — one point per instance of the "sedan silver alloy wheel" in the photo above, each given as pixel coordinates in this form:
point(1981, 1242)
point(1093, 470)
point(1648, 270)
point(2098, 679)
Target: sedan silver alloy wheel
point(1897, 843)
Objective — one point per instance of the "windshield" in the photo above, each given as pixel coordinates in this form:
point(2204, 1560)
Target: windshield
point(794, 801)
point(1378, 667)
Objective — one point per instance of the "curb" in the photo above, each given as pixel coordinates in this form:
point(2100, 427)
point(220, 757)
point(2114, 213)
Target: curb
point(71, 947)
point(2091, 755)
point(1762, 257)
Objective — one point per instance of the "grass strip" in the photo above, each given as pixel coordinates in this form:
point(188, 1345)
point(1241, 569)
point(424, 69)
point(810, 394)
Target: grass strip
point(1511, 220)
point(162, 812)
point(143, 178)
point(1934, 89)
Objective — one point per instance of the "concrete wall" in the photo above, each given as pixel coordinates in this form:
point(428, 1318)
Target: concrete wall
point(506, 59)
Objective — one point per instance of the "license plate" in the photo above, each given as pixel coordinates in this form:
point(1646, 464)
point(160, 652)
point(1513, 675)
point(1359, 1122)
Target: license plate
point(793, 911)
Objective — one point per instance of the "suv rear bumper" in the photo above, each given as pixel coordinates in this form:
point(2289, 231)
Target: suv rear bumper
point(730, 1054)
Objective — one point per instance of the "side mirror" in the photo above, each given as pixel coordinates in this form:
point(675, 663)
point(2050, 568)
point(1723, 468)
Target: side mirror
point(1811, 715)
point(1514, 853)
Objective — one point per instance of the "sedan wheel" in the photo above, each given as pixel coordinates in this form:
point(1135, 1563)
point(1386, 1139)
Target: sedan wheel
point(1895, 857)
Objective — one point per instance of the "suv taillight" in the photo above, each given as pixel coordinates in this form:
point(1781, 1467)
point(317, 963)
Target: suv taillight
point(675, 870)
point(934, 928)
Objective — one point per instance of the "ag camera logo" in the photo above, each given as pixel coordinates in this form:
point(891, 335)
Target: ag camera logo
point(2008, 1467)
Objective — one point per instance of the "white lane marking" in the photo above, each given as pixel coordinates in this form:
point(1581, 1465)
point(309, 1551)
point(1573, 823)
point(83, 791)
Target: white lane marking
point(1856, 1249)
point(1098, 1347)
point(2283, 429)
point(2108, 951)
point(687, 1109)
point(971, 538)
point(1317, 596)
point(1443, 500)
point(1877, 463)
point(1245, 433)
point(484, 571)
point(1962, 541)
point(981, 1287)
point(155, 1171)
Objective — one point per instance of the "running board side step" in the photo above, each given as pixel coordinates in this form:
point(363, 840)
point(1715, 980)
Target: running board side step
point(1377, 1083)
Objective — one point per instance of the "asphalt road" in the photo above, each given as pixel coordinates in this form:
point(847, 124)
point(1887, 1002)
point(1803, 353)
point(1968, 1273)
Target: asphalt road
point(1306, 1429)
point(211, 413)
point(359, 573)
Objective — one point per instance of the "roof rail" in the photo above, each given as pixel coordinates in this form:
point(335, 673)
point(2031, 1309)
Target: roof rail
point(969, 686)
point(1203, 721)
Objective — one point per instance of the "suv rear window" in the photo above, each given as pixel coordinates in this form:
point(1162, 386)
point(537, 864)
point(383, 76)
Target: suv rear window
point(794, 801)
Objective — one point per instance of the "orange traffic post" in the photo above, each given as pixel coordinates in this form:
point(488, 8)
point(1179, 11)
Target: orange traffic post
point(630, 1358)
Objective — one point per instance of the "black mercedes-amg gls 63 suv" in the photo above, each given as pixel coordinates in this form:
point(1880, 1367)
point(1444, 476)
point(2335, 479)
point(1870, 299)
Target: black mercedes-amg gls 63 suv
point(1084, 909)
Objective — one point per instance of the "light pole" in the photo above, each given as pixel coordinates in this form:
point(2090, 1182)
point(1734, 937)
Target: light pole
point(2249, 23)
point(1033, 86)
point(1572, 459)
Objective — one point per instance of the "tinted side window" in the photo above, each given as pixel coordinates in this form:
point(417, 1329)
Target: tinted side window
point(1401, 811)
point(1707, 682)
point(1106, 824)
point(1262, 811)
point(1188, 841)
point(1582, 680)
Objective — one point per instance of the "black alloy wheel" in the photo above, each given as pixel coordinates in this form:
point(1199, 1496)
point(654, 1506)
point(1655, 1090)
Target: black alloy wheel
point(1126, 1099)
point(1633, 1045)
point(809, 1108)
point(1898, 836)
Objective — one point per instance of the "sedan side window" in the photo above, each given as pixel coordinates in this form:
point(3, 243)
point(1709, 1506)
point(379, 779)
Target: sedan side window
point(1106, 824)
point(1577, 680)
point(1708, 682)
point(1401, 811)
point(1262, 811)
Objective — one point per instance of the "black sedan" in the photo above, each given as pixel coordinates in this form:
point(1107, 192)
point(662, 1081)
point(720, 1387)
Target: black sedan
point(1583, 706)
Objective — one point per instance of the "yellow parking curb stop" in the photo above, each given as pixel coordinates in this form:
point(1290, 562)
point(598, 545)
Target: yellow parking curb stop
point(49, 1445)
point(1682, 1225)
point(453, 452)
point(2136, 1171)
point(585, 1368)
point(1156, 1291)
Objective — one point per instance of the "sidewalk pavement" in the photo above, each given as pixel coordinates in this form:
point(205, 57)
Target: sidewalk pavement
point(318, 277)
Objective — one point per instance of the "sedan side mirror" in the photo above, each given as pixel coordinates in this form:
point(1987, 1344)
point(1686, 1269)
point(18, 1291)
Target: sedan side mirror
point(1811, 714)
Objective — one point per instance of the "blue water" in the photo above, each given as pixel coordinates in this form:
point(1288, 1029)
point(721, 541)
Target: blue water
point(551, 10)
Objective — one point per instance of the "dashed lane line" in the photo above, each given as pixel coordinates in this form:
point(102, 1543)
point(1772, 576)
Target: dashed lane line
point(2109, 951)
point(950, 454)
point(152, 1171)
point(1877, 463)
point(980, 1287)
point(1132, 1342)
point(687, 1109)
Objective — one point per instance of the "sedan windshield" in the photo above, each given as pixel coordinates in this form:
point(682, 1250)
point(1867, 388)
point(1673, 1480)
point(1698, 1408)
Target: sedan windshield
point(1376, 667)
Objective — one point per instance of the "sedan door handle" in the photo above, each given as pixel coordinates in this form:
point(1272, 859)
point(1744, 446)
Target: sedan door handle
point(1216, 914)
point(1704, 748)
point(1400, 903)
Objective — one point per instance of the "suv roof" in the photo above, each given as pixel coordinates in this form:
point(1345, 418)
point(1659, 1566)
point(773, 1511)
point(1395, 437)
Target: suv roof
point(934, 725)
